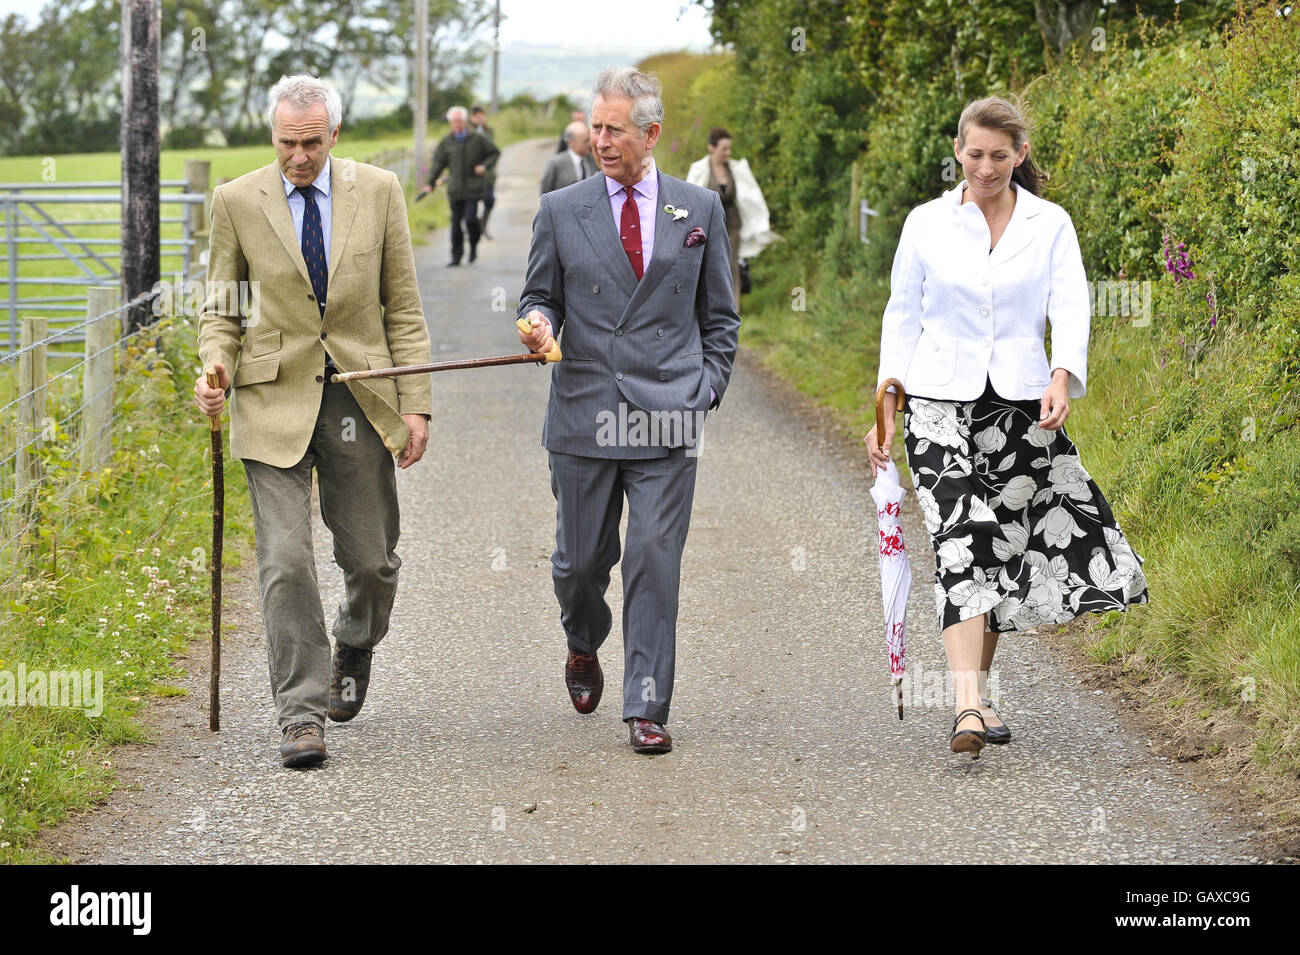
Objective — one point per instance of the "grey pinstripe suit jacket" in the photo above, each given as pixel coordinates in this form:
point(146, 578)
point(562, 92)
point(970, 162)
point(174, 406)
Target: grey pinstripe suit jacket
point(657, 345)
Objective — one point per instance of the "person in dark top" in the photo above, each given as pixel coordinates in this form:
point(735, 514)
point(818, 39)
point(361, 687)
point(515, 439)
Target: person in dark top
point(478, 123)
point(467, 157)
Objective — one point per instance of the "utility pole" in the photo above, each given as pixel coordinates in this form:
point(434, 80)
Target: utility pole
point(421, 88)
point(140, 149)
point(496, 57)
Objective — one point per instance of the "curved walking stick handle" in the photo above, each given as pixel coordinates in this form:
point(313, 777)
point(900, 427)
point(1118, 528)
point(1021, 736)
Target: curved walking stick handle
point(552, 353)
point(880, 404)
point(214, 421)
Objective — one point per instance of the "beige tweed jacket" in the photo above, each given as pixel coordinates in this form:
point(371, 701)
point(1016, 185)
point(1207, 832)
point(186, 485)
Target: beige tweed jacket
point(260, 316)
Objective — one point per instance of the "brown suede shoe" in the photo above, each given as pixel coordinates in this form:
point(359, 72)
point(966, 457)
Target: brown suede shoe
point(303, 745)
point(349, 681)
point(649, 736)
point(585, 681)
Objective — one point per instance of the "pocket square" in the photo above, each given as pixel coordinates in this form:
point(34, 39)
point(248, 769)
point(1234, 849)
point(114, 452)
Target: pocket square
point(696, 237)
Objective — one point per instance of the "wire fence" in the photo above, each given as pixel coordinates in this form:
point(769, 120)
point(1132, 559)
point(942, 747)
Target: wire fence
point(58, 416)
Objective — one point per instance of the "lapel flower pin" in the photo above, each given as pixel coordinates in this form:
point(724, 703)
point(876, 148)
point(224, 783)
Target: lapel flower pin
point(676, 213)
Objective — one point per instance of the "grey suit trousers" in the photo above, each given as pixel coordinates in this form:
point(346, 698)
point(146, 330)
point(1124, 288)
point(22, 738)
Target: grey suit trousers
point(589, 496)
point(358, 503)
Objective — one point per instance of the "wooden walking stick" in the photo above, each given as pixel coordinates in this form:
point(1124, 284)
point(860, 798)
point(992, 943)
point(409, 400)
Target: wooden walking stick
point(528, 358)
point(218, 527)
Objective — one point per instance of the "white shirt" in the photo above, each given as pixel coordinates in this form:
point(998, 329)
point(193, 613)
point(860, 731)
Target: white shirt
point(298, 205)
point(959, 314)
point(579, 173)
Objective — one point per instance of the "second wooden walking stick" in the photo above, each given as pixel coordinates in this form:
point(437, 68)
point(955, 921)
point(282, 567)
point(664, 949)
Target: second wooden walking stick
point(218, 529)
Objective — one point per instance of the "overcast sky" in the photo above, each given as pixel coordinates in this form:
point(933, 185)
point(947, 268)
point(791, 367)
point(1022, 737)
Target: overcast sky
point(654, 24)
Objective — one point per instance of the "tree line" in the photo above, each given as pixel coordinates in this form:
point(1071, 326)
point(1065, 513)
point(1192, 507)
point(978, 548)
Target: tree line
point(60, 70)
point(882, 82)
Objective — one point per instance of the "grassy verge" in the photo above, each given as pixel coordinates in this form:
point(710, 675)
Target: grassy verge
point(117, 585)
point(1204, 472)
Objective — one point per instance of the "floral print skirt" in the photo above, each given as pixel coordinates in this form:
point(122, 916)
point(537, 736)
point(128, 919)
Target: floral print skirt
point(1020, 530)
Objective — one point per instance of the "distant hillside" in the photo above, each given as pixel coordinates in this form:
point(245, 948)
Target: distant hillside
point(546, 70)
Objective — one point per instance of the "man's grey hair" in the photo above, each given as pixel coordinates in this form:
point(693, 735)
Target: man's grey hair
point(460, 111)
point(572, 130)
point(642, 89)
point(302, 92)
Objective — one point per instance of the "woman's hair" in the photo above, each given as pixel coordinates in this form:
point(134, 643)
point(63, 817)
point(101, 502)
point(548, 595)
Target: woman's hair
point(1004, 116)
point(717, 134)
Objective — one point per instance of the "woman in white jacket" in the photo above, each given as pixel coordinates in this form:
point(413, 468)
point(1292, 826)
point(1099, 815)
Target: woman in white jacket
point(1022, 535)
point(748, 229)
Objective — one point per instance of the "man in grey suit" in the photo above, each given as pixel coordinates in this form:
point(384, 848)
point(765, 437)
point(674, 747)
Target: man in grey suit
point(572, 165)
point(632, 268)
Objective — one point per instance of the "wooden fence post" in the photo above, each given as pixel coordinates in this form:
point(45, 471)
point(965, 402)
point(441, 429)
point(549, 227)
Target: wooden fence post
point(97, 378)
point(198, 178)
point(31, 397)
point(199, 259)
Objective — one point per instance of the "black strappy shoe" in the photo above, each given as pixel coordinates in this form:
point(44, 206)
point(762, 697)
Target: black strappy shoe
point(997, 734)
point(968, 741)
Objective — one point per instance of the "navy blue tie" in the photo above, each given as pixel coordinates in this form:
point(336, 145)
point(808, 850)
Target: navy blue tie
point(313, 245)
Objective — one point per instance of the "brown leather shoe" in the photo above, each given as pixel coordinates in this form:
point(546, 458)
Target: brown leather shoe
point(348, 681)
point(585, 681)
point(649, 736)
point(303, 744)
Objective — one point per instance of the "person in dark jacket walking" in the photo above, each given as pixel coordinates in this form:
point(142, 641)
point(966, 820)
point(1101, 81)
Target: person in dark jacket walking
point(478, 123)
point(467, 157)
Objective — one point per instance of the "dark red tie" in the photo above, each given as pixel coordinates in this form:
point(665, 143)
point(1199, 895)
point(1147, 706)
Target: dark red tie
point(629, 227)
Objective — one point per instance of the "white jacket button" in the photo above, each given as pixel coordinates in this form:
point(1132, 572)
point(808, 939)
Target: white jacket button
point(984, 309)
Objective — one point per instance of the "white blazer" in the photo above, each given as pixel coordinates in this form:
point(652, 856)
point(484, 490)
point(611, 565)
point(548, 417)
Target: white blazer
point(755, 227)
point(958, 313)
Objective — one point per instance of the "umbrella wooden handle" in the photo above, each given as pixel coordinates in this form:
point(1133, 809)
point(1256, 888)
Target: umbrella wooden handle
point(214, 381)
point(552, 353)
point(880, 405)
